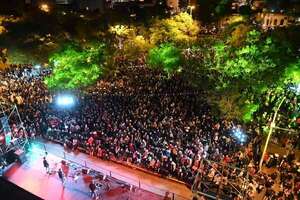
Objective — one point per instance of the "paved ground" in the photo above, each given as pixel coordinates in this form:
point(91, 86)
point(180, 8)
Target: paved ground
point(274, 148)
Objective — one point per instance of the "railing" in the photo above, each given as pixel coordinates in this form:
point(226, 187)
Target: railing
point(88, 164)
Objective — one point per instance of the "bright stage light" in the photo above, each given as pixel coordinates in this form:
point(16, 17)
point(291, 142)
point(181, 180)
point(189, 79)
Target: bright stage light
point(65, 100)
point(295, 88)
point(239, 135)
point(37, 66)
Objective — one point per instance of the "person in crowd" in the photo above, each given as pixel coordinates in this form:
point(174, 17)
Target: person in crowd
point(141, 119)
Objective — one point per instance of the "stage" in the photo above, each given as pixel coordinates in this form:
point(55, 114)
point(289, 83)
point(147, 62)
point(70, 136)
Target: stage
point(32, 176)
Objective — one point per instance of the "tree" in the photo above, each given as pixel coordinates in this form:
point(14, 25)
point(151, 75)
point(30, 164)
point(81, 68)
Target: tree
point(208, 9)
point(136, 47)
point(239, 35)
point(250, 63)
point(238, 76)
point(122, 33)
point(165, 57)
point(76, 67)
point(180, 29)
point(222, 7)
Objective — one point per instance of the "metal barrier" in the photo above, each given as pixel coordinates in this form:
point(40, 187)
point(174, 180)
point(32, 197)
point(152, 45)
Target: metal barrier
point(216, 180)
point(134, 182)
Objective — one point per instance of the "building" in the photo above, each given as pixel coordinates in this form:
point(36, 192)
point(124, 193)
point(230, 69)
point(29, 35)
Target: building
point(89, 5)
point(236, 4)
point(272, 20)
point(258, 5)
point(140, 3)
point(173, 5)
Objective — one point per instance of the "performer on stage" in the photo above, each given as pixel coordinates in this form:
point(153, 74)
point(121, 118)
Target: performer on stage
point(61, 176)
point(46, 165)
point(76, 176)
point(92, 187)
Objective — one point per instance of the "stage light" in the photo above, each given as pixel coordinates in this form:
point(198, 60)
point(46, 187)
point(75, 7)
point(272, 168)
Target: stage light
point(37, 66)
point(239, 135)
point(295, 88)
point(65, 100)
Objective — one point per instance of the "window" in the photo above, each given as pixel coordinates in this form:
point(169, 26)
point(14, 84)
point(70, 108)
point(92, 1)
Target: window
point(281, 22)
point(267, 22)
point(275, 22)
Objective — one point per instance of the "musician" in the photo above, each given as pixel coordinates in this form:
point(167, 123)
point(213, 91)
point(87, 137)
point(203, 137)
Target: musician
point(92, 187)
point(61, 176)
point(46, 165)
point(76, 176)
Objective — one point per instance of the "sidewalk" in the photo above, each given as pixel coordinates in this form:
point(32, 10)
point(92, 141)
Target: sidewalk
point(275, 148)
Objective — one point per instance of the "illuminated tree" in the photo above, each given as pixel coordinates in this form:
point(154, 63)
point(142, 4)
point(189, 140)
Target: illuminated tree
point(76, 67)
point(122, 33)
point(239, 35)
point(180, 28)
point(165, 57)
point(136, 47)
point(238, 76)
point(248, 63)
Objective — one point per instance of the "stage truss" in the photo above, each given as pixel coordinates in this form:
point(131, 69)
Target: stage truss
point(7, 113)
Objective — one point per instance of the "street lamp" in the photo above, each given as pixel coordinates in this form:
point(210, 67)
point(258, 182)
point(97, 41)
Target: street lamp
point(191, 9)
point(45, 7)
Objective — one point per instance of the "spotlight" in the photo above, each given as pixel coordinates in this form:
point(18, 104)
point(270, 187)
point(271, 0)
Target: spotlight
point(65, 100)
point(295, 88)
point(37, 66)
point(239, 135)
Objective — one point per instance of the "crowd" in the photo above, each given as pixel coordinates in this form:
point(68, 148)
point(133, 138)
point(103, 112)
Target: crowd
point(144, 120)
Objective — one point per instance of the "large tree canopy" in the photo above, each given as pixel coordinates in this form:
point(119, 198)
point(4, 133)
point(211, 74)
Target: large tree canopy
point(181, 28)
point(237, 75)
point(76, 67)
point(165, 57)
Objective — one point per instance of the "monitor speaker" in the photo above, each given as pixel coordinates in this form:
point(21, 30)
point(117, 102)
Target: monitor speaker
point(84, 171)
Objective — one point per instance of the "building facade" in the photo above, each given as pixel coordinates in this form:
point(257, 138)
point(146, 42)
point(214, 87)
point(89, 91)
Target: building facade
point(273, 20)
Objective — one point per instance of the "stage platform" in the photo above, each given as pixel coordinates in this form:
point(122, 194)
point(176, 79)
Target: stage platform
point(32, 176)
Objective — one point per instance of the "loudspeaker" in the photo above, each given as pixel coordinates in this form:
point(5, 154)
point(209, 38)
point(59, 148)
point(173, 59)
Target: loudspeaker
point(20, 155)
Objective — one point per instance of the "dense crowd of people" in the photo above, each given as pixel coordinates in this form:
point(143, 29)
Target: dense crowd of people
point(161, 125)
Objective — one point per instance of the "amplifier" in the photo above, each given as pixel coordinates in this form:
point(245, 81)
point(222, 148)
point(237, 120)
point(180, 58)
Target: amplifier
point(85, 171)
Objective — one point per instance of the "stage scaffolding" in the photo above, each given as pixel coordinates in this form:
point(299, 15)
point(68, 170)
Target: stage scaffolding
point(12, 142)
point(218, 181)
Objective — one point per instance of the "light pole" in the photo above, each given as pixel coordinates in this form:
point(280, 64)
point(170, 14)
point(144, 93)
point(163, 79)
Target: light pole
point(191, 9)
point(272, 126)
